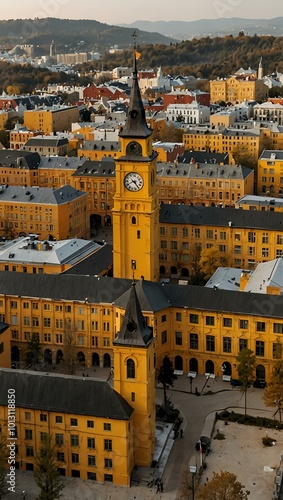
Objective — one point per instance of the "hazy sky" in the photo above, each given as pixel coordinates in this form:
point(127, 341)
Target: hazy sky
point(128, 11)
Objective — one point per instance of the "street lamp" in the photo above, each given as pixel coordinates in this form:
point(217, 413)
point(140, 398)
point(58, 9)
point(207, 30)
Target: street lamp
point(193, 470)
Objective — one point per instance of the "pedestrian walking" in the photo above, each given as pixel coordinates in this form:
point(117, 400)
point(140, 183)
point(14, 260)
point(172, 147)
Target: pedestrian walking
point(181, 433)
point(161, 487)
point(158, 487)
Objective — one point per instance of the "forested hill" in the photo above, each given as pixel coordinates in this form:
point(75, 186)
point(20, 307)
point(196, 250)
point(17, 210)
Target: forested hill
point(208, 57)
point(71, 35)
point(205, 58)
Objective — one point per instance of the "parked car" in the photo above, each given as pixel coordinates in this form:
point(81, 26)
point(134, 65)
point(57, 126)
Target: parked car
point(205, 444)
point(235, 382)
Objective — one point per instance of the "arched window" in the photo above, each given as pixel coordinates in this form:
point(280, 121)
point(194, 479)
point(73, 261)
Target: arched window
point(131, 369)
point(134, 220)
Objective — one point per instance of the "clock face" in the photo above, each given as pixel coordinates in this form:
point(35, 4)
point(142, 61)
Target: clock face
point(133, 181)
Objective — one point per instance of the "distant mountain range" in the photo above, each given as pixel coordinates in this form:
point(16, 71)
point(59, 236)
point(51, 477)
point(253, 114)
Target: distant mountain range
point(183, 30)
point(72, 35)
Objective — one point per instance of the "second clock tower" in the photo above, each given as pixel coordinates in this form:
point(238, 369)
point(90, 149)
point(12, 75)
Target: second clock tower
point(136, 205)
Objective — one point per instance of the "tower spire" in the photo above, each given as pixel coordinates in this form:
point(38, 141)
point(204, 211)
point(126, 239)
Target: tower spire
point(136, 125)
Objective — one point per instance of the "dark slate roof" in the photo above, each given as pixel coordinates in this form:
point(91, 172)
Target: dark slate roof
point(203, 157)
point(157, 296)
point(271, 155)
point(36, 195)
point(134, 330)
point(231, 302)
point(96, 168)
point(101, 146)
point(95, 264)
point(151, 297)
point(19, 158)
point(51, 141)
point(222, 217)
point(136, 125)
point(203, 170)
point(63, 287)
point(64, 394)
point(3, 327)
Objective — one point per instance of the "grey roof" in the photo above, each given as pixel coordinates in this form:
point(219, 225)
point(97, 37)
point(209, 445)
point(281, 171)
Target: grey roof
point(226, 278)
point(30, 250)
point(260, 201)
point(266, 274)
point(19, 158)
point(134, 330)
point(203, 157)
point(203, 170)
point(101, 145)
point(47, 141)
point(151, 298)
point(63, 286)
point(271, 155)
point(108, 290)
point(96, 168)
point(63, 394)
point(222, 131)
point(222, 217)
point(36, 195)
point(95, 264)
point(61, 162)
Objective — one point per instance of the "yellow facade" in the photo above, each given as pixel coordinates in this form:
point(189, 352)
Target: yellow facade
point(51, 120)
point(135, 216)
point(225, 141)
point(235, 90)
point(270, 173)
point(242, 246)
point(4, 115)
point(60, 220)
point(88, 447)
point(210, 184)
point(180, 332)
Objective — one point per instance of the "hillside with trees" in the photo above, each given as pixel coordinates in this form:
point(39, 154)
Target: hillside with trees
point(204, 58)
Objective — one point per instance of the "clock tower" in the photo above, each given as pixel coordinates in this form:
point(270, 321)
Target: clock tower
point(135, 212)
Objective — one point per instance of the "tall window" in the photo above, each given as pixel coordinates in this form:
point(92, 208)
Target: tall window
point(131, 371)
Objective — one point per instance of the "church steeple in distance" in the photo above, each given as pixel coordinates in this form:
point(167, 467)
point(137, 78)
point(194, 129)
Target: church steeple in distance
point(136, 125)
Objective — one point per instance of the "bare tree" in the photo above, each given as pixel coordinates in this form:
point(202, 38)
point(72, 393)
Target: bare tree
point(69, 362)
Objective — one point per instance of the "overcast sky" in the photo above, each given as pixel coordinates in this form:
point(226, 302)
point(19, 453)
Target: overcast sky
point(128, 11)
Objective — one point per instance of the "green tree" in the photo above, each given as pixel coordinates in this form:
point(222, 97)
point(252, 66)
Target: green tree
point(197, 277)
point(223, 486)
point(166, 375)
point(46, 474)
point(210, 260)
point(273, 394)
point(5, 138)
point(33, 350)
point(3, 465)
point(246, 370)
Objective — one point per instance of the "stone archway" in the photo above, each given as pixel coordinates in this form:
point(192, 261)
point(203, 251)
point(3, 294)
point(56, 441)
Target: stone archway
point(81, 358)
point(48, 356)
point(193, 365)
point(178, 363)
point(95, 359)
point(59, 356)
point(106, 360)
point(209, 366)
point(226, 368)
